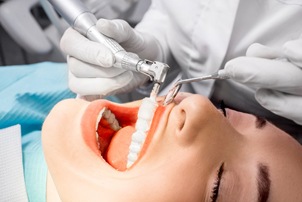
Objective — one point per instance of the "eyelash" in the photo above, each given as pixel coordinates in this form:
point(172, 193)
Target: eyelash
point(222, 108)
point(215, 189)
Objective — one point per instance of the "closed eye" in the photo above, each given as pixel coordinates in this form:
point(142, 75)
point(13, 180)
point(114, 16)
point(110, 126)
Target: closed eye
point(216, 185)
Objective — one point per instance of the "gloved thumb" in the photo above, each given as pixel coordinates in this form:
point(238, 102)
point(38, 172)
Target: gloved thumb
point(293, 51)
point(282, 104)
point(259, 73)
point(261, 51)
point(76, 45)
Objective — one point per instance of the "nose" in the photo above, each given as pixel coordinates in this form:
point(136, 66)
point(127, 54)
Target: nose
point(198, 110)
point(181, 96)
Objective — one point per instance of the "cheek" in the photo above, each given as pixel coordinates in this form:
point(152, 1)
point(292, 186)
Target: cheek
point(179, 179)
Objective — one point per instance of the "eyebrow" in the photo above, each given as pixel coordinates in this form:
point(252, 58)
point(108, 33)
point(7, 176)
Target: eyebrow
point(263, 182)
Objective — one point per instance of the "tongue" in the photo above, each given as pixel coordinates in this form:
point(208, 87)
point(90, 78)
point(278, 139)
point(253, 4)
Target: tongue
point(119, 148)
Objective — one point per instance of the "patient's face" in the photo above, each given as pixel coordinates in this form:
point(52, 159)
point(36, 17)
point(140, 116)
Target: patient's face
point(193, 153)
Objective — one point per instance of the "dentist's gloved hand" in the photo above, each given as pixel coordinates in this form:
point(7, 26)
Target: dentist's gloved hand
point(90, 63)
point(275, 74)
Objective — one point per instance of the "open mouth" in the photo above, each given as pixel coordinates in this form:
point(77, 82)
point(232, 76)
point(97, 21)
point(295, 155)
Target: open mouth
point(113, 126)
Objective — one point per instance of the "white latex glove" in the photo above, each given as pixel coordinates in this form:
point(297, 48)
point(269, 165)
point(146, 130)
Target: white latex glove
point(90, 63)
point(275, 74)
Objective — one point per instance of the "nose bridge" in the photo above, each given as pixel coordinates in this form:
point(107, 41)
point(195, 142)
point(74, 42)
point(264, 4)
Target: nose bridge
point(221, 138)
point(201, 105)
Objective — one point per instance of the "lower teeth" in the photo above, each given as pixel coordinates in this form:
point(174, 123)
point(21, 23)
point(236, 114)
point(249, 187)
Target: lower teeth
point(111, 120)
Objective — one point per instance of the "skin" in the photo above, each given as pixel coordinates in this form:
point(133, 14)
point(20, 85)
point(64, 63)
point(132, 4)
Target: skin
point(181, 161)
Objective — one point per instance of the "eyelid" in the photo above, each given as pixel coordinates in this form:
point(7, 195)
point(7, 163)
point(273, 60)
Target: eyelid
point(217, 183)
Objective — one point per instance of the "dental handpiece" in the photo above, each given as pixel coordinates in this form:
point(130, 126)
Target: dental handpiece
point(81, 19)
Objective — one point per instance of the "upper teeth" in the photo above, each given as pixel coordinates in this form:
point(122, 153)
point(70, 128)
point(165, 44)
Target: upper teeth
point(110, 118)
point(143, 123)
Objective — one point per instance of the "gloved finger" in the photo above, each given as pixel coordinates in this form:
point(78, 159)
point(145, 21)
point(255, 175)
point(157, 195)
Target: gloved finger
point(286, 105)
point(121, 32)
point(265, 73)
point(82, 69)
point(98, 86)
point(74, 44)
point(89, 98)
point(261, 51)
point(293, 51)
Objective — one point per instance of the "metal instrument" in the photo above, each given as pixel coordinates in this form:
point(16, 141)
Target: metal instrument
point(176, 87)
point(82, 20)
